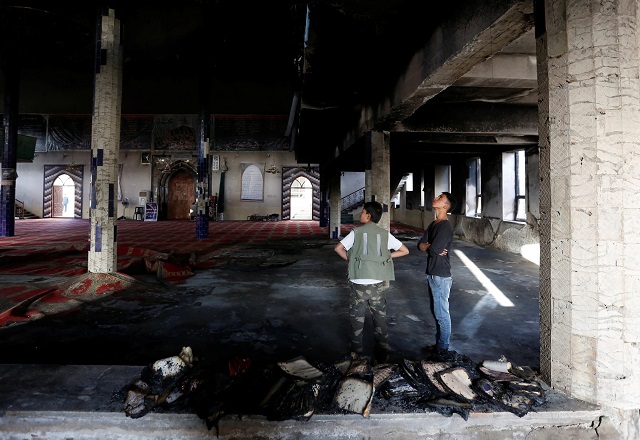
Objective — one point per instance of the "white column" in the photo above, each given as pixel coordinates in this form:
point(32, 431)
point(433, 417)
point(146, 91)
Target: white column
point(590, 202)
point(105, 147)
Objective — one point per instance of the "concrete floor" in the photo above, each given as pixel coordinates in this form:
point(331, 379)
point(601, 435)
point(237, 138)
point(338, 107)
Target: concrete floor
point(282, 299)
point(271, 301)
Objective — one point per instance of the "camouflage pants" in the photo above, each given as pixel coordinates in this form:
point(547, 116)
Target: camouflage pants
point(373, 298)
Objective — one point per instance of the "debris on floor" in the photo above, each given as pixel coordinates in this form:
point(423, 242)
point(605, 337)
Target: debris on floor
point(446, 382)
point(22, 304)
point(158, 384)
point(72, 284)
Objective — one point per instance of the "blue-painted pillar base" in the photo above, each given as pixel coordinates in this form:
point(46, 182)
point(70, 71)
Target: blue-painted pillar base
point(202, 226)
point(7, 210)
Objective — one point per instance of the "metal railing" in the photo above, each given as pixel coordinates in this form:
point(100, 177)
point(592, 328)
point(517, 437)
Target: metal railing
point(351, 201)
point(19, 210)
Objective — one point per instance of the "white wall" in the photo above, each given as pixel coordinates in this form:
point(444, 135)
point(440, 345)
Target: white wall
point(351, 181)
point(234, 207)
point(30, 183)
point(136, 177)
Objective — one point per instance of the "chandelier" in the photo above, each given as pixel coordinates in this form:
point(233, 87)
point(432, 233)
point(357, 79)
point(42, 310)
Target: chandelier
point(272, 169)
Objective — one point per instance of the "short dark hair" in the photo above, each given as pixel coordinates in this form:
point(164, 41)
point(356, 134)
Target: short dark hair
point(374, 209)
point(451, 200)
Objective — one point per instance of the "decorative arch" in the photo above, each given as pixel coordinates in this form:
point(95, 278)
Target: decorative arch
point(289, 175)
point(164, 168)
point(51, 173)
point(174, 167)
point(301, 199)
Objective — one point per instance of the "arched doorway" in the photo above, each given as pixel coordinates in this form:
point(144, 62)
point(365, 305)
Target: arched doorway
point(181, 194)
point(64, 195)
point(301, 199)
point(289, 176)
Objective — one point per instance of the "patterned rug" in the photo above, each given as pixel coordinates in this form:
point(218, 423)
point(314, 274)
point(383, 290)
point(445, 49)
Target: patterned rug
point(19, 304)
point(43, 268)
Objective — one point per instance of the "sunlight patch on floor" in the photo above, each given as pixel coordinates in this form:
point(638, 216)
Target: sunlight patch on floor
point(531, 252)
point(486, 282)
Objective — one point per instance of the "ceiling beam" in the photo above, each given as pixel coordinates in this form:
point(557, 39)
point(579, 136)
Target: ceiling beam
point(473, 118)
point(483, 29)
point(463, 139)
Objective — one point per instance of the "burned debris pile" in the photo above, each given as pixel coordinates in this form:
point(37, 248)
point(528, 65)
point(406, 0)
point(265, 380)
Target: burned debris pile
point(448, 383)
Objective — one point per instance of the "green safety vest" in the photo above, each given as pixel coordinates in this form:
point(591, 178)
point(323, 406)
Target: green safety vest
point(369, 257)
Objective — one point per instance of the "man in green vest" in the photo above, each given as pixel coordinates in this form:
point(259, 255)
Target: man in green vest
point(368, 252)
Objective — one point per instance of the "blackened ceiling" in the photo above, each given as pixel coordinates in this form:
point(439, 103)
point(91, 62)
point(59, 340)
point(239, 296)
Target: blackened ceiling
point(338, 68)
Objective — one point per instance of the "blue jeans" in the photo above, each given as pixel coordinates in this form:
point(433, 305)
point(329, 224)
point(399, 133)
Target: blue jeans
point(439, 288)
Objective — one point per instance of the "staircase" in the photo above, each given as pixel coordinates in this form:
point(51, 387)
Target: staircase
point(28, 215)
point(350, 203)
point(21, 213)
point(346, 218)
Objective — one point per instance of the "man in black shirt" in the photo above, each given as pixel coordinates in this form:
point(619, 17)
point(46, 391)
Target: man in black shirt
point(436, 242)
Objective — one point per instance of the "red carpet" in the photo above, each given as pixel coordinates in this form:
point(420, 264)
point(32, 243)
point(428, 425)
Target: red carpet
point(59, 248)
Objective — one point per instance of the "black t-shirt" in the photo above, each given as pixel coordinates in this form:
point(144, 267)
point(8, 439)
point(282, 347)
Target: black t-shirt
point(440, 235)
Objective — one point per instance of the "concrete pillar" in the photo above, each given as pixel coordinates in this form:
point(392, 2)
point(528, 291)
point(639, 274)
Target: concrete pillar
point(105, 146)
point(416, 197)
point(334, 205)
point(533, 186)
point(589, 114)
point(459, 174)
point(429, 195)
point(491, 186)
point(202, 188)
point(377, 178)
point(9, 149)
point(324, 219)
point(470, 203)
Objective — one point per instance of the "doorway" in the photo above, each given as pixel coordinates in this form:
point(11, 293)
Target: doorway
point(181, 195)
point(301, 199)
point(289, 177)
point(64, 195)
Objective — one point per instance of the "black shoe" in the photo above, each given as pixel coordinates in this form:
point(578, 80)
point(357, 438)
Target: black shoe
point(377, 362)
point(434, 349)
point(381, 356)
point(430, 349)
